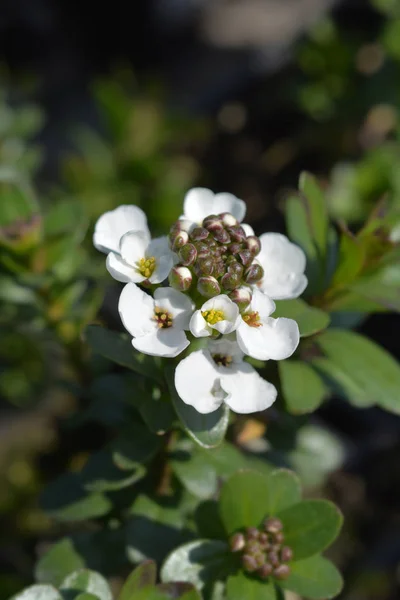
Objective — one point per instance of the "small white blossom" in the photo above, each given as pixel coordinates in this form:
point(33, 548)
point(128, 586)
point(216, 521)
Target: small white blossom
point(217, 315)
point(112, 225)
point(200, 203)
point(261, 336)
point(284, 264)
point(157, 324)
point(141, 259)
point(217, 374)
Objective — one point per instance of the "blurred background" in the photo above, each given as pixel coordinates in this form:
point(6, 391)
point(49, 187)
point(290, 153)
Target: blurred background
point(105, 104)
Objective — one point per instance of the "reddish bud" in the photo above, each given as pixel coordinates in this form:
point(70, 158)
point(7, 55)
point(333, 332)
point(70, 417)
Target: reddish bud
point(253, 244)
point(237, 542)
point(208, 287)
point(187, 254)
point(282, 572)
point(180, 278)
point(286, 554)
point(199, 234)
point(273, 525)
point(254, 273)
point(265, 571)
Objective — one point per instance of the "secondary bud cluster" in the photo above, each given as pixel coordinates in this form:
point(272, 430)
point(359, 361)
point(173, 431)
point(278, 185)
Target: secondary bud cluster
point(218, 255)
point(263, 551)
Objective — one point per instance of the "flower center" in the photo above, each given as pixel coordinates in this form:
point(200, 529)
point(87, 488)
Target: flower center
point(222, 360)
point(213, 316)
point(252, 319)
point(146, 266)
point(162, 317)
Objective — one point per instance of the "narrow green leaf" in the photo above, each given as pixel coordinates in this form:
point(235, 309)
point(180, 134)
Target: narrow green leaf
point(310, 526)
point(202, 563)
point(102, 474)
point(303, 389)
point(241, 587)
point(317, 210)
point(244, 500)
point(351, 259)
point(315, 578)
point(60, 560)
point(206, 430)
point(85, 580)
point(145, 575)
point(38, 592)
point(366, 372)
point(118, 348)
point(310, 320)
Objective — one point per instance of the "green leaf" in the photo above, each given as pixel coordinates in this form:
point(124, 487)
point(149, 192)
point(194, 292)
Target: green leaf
point(202, 563)
point(179, 589)
point(241, 587)
point(38, 592)
point(64, 217)
point(60, 560)
point(102, 474)
point(366, 373)
point(195, 473)
point(243, 501)
point(66, 500)
point(206, 430)
point(381, 288)
point(208, 521)
point(283, 490)
point(143, 576)
point(303, 389)
point(118, 348)
point(317, 212)
point(310, 320)
point(85, 580)
point(310, 526)
point(315, 578)
point(351, 260)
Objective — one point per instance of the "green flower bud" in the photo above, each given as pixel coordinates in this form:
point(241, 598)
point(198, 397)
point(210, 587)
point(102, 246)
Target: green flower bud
point(208, 287)
point(187, 254)
point(260, 559)
point(235, 248)
point(237, 542)
point(237, 234)
point(241, 296)
point(279, 538)
point(203, 248)
point(199, 234)
point(246, 257)
point(230, 281)
point(254, 273)
point(273, 525)
point(253, 244)
point(236, 268)
point(273, 558)
point(219, 268)
point(221, 236)
point(212, 223)
point(286, 554)
point(178, 240)
point(180, 278)
point(205, 266)
point(249, 563)
point(228, 220)
point(281, 572)
point(265, 571)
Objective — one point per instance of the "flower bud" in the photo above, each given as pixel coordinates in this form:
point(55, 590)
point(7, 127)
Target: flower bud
point(241, 296)
point(252, 533)
point(205, 266)
point(187, 254)
point(237, 234)
point(252, 547)
point(235, 248)
point(236, 268)
point(265, 571)
point(203, 248)
point(221, 236)
point(212, 223)
point(260, 559)
point(180, 278)
point(249, 563)
point(208, 287)
point(254, 273)
point(279, 538)
point(178, 240)
point(219, 268)
point(286, 554)
point(230, 281)
point(273, 525)
point(246, 257)
point(273, 558)
point(199, 234)
point(237, 542)
point(228, 219)
point(281, 572)
point(253, 244)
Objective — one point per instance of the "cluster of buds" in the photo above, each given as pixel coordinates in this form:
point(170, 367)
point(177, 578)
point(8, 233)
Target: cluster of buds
point(263, 551)
point(217, 256)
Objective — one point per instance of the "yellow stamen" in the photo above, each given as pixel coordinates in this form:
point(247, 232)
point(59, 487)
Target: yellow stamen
point(252, 319)
point(146, 266)
point(221, 360)
point(213, 316)
point(162, 317)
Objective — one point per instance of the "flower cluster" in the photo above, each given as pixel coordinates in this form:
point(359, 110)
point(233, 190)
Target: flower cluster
point(223, 281)
point(263, 551)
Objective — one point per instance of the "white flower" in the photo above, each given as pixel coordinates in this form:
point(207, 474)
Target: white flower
point(158, 324)
point(284, 264)
point(141, 259)
point(217, 315)
point(111, 226)
point(217, 374)
point(200, 203)
point(263, 337)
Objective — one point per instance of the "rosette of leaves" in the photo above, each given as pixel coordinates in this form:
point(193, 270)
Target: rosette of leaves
point(247, 499)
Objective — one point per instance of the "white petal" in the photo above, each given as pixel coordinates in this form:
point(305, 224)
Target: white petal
point(226, 347)
point(248, 392)
point(247, 229)
point(133, 246)
point(120, 270)
point(230, 311)
point(284, 264)
point(262, 304)
point(167, 342)
point(275, 339)
point(226, 326)
point(136, 309)
point(178, 304)
point(198, 204)
point(111, 226)
point(158, 247)
point(161, 271)
point(225, 202)
point(198, 325)
point(197, 382)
